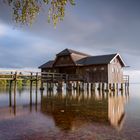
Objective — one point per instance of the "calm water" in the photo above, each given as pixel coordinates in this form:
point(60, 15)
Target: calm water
point(26, 115)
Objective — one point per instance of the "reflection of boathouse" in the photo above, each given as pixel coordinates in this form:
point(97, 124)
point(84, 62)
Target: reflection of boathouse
point(70, 111)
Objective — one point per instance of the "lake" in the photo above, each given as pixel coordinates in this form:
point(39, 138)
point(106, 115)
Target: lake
point(46, 115)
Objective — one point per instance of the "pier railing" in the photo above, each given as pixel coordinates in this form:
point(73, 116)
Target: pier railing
point(74, 81)
point(126, 79)
point(45, 76)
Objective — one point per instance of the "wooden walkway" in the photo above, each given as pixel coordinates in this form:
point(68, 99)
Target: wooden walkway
point(72, 81)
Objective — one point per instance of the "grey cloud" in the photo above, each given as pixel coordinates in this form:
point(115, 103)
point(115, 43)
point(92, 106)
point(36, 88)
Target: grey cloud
point(93, 26)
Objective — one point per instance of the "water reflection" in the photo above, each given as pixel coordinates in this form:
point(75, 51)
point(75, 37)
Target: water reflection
point(70, 110)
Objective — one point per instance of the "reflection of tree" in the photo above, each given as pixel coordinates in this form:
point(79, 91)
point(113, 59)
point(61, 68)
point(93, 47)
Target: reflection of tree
point(70, 111)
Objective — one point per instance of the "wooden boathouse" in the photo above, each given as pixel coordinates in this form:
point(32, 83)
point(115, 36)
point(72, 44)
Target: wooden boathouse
point(80, 67)
point(102, 68)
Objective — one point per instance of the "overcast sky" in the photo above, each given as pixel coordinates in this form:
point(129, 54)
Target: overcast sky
point(92, 26)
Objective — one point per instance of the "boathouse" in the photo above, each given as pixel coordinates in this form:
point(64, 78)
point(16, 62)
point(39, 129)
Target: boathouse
point(101, 68)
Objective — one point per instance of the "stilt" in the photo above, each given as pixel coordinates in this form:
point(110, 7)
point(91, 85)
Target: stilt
point(107, 87)
point(121, 86)
point(10, 94)
point(122, 89)
point(59, 87)
point(69, 86)
point(31, 82)
point(15, 86)
point(87, 86)
point(42, 87)
point(103, 86)
point(36, 81)
point(99, 86)
point(82, 86)
point(15, 82)
point(117, 88)
point(110, 86)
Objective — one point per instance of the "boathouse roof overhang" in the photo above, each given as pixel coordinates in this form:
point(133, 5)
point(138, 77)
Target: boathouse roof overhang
point(81, 59)
point(100, 59)
point(48, 64)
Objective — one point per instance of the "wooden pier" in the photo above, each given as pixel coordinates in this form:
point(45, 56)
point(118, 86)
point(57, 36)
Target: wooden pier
point(59, 80)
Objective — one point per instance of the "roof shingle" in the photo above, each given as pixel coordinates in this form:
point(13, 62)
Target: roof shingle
point(101, 59)
point(48, 64)
point(69, 51)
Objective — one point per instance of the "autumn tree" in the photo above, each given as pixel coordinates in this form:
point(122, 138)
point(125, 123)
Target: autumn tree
point(25, 11)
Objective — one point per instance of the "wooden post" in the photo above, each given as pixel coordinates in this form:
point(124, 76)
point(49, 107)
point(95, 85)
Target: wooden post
point(14, 102)
point(52, 84)
point(36, 81)
point(87, 86)
point(82, 86)
point(122, 88)
point(76, 85)
point(103, 86)
point(99, 86)
point(126, 84)
point(91, 87)
point(36, 102)
point(10, 94)
point(117, 88)
point(67, 78)
point(15, 82)
point(47, 85)
point(113, 86)
point(69, 86)
point(110, 86)
point(107, 87)
point(31, 81)
point(59, 87)
point(42, 87)
point(15, 86)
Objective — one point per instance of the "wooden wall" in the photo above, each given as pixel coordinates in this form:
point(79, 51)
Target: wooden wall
point(115, 72)
point(105, 73)
point(65, 60)
point(94, 73)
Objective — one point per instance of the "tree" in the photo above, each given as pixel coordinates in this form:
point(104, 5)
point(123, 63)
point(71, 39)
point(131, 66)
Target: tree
point(25, 11)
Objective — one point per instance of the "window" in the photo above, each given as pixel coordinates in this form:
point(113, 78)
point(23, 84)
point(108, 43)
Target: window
point(94, 69)
point(113, 70)
point(102, 68)
point(87, 69)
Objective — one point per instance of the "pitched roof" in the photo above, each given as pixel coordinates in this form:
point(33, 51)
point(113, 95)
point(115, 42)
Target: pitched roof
point(69, 51)
point(82, 59)
point(48, 64)
point(100, 59)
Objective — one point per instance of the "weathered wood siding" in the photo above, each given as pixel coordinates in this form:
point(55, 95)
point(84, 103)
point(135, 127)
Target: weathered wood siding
point(105, 73)
point(65, 60)
point(53, 70)
point(115, 72)
point(94, 73)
